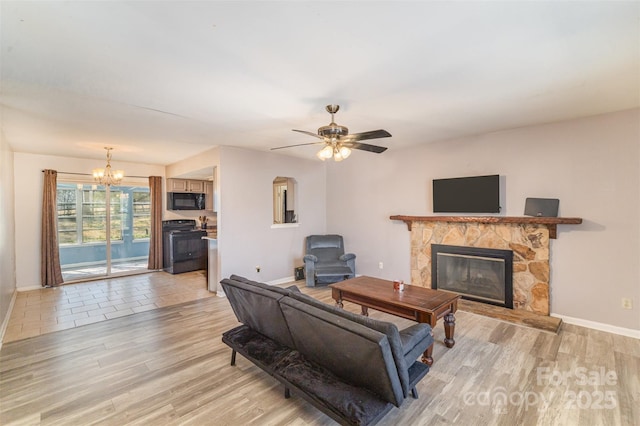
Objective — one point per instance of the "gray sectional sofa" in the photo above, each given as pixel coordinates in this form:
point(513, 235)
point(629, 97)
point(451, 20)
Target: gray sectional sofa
point(353, 368)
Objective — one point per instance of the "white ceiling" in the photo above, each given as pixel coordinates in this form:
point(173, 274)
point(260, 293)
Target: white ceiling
point(161, 81)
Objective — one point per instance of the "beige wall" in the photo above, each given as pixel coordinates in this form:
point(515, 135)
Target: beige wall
point(7, 232)
point(245, 236)
point(592, 165)
point(28, 203)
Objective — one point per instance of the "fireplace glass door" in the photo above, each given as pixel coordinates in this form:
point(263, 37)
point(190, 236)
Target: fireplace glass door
point(476, 273)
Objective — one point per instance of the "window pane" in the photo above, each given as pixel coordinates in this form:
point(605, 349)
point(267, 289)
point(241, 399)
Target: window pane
point(141, 213)
point(93, 229)
point(94, 215)
point(118, 212)
point(66, 204)
point(142, 197)
point(67, 231)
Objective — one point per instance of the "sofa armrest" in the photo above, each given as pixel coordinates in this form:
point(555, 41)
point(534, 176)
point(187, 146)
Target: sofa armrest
point(347, 256)
point(293, 288)
point(413, 335)
point(310, 269)
point(415, 340)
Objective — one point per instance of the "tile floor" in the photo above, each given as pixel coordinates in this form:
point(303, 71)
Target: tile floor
point(43, 311)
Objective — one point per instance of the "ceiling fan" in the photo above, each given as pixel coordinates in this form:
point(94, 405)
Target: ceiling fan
point(337, 140)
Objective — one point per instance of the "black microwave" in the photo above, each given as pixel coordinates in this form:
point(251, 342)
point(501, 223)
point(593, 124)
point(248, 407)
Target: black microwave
point(185, 201)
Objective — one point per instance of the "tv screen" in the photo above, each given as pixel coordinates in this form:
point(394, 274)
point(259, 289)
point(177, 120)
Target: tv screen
point(477, 194)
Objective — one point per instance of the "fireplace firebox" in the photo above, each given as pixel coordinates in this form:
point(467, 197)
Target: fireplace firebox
point(479, 274)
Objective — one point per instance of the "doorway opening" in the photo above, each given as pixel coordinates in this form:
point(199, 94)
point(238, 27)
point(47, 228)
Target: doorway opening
point(85, 213)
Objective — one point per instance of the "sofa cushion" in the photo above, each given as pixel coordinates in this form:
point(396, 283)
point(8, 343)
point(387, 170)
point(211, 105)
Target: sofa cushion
point(257, 307)
point(355, 404)
point(406, 345)
point(259, 349)
point(390, 330)
point(350, 350)
point(324, 241)
point(332, 270)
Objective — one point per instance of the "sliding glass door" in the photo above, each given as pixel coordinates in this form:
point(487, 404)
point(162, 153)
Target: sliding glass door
point(87, 250)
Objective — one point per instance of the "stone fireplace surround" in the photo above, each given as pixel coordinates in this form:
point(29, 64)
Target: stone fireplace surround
point(528, 237)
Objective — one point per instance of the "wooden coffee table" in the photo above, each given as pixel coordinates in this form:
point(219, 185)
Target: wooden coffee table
point(416, 303)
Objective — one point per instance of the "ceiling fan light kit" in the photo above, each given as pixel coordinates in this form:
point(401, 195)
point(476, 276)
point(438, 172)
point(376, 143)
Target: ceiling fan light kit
point(334, 150)
point(337, 140)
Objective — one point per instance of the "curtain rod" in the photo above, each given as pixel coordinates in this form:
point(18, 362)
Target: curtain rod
point(89, 174)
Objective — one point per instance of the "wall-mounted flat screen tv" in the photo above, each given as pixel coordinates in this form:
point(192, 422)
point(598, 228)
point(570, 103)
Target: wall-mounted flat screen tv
point(475, 194)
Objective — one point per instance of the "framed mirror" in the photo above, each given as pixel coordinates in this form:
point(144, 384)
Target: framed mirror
point(284, 200)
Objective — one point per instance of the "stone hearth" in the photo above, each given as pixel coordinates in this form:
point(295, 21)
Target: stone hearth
point(528, 237)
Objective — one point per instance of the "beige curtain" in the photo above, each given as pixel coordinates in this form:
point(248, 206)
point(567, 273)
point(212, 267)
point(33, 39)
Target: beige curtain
point(50, 272)
point(155, 242)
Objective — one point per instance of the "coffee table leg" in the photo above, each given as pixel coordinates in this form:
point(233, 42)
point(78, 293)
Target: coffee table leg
point(337, 296)
point(364, 311)
point(426, 356)
point(449, 328)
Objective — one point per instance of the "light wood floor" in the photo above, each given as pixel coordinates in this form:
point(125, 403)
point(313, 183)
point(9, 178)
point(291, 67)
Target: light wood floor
point(168, 366)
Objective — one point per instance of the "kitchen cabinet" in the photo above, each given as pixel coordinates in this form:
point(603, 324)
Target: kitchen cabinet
point(185, 185)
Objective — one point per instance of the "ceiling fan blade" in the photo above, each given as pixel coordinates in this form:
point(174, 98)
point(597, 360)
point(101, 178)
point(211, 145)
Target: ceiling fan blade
point(373, 134)
point(309, 133)
point(299, 144)
point(365, 147)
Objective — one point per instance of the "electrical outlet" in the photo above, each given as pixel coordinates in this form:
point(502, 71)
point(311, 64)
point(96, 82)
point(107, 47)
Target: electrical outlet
point(257, 269)
point(626, 303)
point(380, 265)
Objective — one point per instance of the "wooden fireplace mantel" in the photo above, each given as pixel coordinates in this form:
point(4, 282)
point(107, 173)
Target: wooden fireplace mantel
point(550, 222)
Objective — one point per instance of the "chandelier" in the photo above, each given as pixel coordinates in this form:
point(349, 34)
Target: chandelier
point(107, 176)
point(334, 149)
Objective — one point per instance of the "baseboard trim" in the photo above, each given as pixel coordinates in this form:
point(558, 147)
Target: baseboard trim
point(37, 287)
point(629, 332)
point(5, 321)
point(281, 280)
